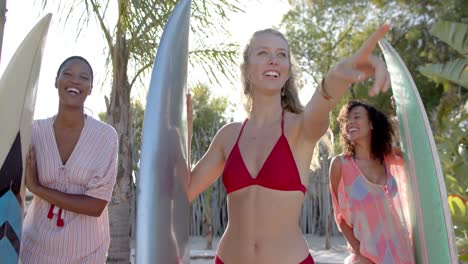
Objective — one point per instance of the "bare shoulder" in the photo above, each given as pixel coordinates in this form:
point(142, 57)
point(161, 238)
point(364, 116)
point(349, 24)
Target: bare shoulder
point(227, 135)
point(335, 170)
point(229, 130)
point(336, 162)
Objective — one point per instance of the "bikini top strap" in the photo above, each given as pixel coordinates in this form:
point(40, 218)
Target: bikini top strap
point(242, 129)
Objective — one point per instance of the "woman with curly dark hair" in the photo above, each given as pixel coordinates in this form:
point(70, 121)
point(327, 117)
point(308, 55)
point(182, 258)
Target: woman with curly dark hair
point(366, 199)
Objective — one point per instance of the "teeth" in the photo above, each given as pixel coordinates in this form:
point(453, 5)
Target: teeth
point(74, 90)
point(272, 73)
point(353, 129)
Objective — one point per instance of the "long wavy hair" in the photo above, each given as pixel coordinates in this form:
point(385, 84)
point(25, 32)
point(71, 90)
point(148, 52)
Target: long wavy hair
point(289, 98)
point(382, 133)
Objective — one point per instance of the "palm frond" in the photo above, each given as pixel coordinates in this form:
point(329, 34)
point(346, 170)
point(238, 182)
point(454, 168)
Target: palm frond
point(454, 34)
point(456, 71)
point(142, 22)
point(215, 60)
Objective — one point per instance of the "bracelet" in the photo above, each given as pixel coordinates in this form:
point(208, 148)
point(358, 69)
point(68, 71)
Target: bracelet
point(324, 92)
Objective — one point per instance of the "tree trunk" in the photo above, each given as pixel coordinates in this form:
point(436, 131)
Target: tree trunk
point(209, 238)
point(119, 116)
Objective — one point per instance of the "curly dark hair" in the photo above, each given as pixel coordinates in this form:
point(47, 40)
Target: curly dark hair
point(382, 133)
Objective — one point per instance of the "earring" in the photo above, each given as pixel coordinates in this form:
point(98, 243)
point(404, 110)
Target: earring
point(282, 92)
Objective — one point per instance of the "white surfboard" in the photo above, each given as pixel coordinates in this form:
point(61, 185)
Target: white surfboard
point(162, 205)
point(18, 87)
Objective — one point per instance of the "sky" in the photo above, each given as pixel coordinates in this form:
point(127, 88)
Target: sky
point(62, 42)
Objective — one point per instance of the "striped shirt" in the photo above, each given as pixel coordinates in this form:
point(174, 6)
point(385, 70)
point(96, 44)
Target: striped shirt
point(90, 170)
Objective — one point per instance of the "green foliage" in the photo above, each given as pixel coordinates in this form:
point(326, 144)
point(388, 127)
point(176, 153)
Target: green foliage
point(459, 210)
point(450, 133)
point(208, 118)
point(323, 32)
point(454, 71)
point(138, 27)
point(450, 125)
point(102, 116)
point(456, 36)
point(138, 114)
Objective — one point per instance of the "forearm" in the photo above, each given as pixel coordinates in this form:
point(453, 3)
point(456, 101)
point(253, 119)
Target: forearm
point(324, 99)
point(328, 92)
point(349, 235)
point(78, 203)
point(335, 85)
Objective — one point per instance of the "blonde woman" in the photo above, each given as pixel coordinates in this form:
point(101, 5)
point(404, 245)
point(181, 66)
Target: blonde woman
point(264, 160)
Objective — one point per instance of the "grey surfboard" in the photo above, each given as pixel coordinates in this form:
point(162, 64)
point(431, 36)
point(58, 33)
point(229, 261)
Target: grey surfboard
point(162, 205)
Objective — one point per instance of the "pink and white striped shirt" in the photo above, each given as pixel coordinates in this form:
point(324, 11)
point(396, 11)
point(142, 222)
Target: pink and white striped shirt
point(90, 170)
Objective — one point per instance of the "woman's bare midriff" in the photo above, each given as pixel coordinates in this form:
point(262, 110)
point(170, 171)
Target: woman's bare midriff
point(263, 227)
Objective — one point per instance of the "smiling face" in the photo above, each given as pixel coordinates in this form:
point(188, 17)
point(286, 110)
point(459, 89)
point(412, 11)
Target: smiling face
point(268, 63)
point(74, 83)
point(358, 125)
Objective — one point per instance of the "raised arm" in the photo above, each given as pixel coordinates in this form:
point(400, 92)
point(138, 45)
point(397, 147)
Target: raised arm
point(210, 166)
point(359, 67)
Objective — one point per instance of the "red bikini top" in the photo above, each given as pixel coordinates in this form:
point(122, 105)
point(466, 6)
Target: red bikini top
point(279, 172)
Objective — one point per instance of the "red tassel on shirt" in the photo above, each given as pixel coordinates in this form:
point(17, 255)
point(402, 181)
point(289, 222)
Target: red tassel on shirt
point(50, 215)
point(59, 218)
point(51, 211)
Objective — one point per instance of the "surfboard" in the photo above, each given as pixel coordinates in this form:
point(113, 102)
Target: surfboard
point(431, 223)
point(162, 205)
point(18, 87)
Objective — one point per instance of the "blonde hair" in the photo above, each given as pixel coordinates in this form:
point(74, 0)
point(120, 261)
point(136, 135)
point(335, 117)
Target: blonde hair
point(289, 93)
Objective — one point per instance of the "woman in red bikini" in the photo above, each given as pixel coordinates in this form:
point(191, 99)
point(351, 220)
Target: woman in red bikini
point(264, 160)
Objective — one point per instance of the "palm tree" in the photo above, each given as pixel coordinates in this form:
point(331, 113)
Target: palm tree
point(132, 41)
